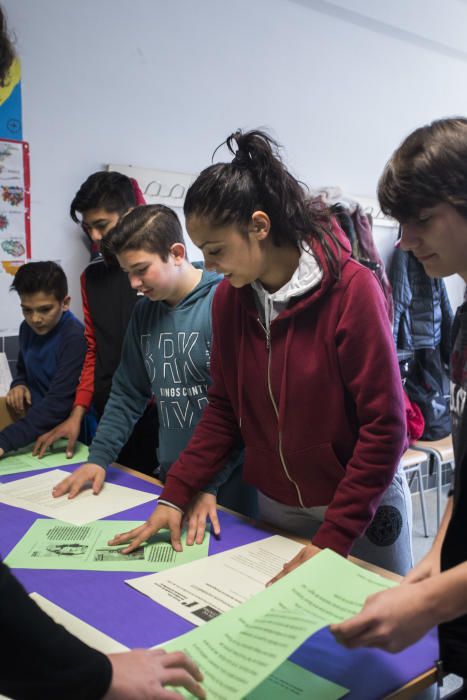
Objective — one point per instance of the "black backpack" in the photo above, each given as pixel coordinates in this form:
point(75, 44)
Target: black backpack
point(426, 383)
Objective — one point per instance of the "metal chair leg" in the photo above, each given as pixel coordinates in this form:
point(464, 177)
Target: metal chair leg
point(418, 471)
point(439, 484)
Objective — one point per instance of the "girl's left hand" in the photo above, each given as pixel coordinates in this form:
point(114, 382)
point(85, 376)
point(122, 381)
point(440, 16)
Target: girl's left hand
point(304, 554)
point(201, 507)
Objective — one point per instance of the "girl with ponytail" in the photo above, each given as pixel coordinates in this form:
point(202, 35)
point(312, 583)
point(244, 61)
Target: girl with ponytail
point(303, 366)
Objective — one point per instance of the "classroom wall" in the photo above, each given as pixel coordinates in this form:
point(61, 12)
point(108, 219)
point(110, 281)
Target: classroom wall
point(158, 83)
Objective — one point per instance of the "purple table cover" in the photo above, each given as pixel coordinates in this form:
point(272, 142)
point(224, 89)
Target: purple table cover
point(104, 601)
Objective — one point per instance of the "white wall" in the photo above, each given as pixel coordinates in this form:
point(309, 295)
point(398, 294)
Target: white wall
point(160, 83)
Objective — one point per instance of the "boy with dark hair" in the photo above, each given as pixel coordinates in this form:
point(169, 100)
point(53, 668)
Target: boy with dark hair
point(424, 187)
point(51, 353)
point(166, 352)
point(108, 302)
point(111, 192)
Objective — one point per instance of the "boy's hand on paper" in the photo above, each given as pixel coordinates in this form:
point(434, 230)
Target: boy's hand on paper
point(200, 508)
point(391, 620)
point(304, 554)
point(162, 518)
point(2, 452)
point(142, 674)
point(86, 474)
point(19, 398)
point(68, 429)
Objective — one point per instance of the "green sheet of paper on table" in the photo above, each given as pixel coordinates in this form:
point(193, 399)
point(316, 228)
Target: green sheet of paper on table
point(291, 681)
point(241, 648)
point(23, 461)
point(53, 544)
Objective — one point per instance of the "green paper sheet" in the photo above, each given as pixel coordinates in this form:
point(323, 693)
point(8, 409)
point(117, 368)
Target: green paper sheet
point(23, 461)
point(241, 648)
point(291, 681)
point(53, 544)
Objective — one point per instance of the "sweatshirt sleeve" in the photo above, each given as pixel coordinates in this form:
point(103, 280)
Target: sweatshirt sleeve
point(129, 396)
point(235, 462)
point(369, 369)
point(56, 404)
point(39, 658)
point(85, 390)
point(217, 435)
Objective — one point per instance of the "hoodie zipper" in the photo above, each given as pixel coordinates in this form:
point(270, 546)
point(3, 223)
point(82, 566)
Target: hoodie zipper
point(267, 332)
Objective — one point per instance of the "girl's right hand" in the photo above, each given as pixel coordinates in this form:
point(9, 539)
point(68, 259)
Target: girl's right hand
point(163, 518)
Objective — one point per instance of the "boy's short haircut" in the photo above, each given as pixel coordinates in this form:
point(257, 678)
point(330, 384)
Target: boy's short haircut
point(111, 191)
point(428, 168)
point(154, 228)
point(44, 276)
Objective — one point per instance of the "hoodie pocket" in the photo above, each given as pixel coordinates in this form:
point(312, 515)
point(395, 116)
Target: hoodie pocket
point(314, 471)
point(317, 473)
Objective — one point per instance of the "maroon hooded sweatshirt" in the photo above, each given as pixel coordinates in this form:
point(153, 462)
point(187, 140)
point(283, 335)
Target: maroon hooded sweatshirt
point(318, 403)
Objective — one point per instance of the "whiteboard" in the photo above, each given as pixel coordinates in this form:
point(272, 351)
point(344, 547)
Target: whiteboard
point(163, 187)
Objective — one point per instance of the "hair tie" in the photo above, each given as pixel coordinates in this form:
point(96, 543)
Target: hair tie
point(242, 159)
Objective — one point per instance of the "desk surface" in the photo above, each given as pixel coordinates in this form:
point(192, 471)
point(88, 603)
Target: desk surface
point(103, 600)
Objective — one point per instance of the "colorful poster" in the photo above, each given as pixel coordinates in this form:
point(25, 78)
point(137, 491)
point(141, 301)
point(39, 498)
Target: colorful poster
point(10, 104)
point(15, 230)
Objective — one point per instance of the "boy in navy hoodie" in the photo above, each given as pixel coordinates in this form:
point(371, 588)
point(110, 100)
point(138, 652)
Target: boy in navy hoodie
point(166, 352)
point(51, 353)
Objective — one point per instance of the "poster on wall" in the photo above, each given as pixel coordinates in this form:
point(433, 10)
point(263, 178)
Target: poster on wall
point(163, 187)
point(15, 225)
point(10, 104)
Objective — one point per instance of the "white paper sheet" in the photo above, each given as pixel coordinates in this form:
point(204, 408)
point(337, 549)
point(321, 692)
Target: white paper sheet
point(5, 375)
point(35, 493)
point(88, 634)
point(206, 588)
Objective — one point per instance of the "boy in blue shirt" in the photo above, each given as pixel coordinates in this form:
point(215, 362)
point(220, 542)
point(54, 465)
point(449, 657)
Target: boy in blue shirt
point(51, 353)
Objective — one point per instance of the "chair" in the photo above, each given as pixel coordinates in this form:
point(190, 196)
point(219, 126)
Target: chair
point(412, 461)
point(441, 452)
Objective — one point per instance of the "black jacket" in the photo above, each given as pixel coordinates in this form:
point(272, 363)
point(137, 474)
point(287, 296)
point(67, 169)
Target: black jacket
point(453, 635)
point(110, 301)
point(39, 658)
